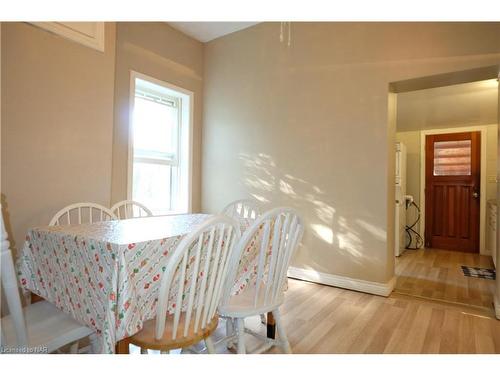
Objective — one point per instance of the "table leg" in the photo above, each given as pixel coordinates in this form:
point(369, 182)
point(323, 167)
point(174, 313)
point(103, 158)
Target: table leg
point(271, 326)
point(122, 347)
point(35, 298)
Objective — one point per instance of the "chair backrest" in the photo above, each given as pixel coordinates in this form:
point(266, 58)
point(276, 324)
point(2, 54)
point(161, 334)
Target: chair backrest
point(11, 289)
point(79, 213)
point(196, 273)
point(128, 209)
point(265, 250)
point(242, 209)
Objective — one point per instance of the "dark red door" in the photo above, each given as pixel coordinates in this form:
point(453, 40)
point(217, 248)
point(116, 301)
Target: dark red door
point(452, 175)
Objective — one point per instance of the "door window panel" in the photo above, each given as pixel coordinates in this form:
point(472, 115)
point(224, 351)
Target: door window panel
point(452, 158)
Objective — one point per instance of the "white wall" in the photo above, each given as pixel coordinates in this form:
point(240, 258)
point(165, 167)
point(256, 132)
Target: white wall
point(466, 104)
point(57, 124)
point(307, 126)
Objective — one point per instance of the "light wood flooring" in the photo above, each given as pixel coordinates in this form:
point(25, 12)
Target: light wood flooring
point(434, 309)
point(436, 274)
point(324, 319)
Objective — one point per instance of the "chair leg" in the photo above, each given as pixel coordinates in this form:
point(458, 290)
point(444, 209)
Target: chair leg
point(210, 345)
point(73, 349)
point(122, 347)
point(229, 332)
point(285, 345)
point(144, 351)
point(240, 332)
point(94, 345)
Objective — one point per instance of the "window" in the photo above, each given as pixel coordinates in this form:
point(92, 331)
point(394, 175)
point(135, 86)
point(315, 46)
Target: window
point(452, 158)
point(159, 172)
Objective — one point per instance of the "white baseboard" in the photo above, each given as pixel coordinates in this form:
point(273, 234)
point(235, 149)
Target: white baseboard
point(380, 289)
point(496, 303)
point(485, 251)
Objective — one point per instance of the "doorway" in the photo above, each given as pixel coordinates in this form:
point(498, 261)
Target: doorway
point(449, 131)
point(452, 190)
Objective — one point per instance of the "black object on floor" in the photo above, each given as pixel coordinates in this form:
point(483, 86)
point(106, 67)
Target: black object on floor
point(482, 273)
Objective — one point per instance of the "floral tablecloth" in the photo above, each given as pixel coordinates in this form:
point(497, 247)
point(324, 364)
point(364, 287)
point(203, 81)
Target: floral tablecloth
point(107, 274)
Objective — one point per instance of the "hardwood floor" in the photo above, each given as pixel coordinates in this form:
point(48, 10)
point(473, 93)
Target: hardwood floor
point(434, 309)
point(436, 274)
point(324, 319)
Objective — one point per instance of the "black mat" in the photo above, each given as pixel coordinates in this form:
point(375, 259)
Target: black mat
point(482, 273)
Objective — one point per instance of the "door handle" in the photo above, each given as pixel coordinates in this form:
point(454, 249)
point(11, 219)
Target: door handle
point(475, 194)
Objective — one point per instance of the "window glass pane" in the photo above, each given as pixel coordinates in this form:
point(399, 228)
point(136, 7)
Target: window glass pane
point(152, 186)
point(452, 158)
point(155, 129)
point(160, 145)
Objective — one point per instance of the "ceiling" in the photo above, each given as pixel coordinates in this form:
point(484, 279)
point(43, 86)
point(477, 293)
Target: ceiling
point(467, 104)
point(207, 31)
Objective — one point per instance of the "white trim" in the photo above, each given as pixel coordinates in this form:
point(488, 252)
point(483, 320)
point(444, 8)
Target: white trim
point(496, 303)
point(380, 289)
point(130, 156)
point(190, 94)
point(71, 31)
point(483, 178)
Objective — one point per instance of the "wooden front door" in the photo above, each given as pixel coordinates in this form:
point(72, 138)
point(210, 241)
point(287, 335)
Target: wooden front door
point(452, 175)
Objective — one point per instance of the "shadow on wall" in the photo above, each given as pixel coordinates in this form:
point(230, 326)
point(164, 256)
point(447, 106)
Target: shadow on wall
point(326, 227)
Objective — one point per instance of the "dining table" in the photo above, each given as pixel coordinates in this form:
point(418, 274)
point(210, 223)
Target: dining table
point(106, 275)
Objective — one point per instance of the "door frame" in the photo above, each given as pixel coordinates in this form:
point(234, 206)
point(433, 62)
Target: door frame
point(482, 180)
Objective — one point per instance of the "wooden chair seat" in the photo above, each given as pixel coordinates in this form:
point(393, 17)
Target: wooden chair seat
point(211, 244)
point(146, 337)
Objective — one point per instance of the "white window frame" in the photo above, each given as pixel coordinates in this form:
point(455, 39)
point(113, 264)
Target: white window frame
point(185, 134)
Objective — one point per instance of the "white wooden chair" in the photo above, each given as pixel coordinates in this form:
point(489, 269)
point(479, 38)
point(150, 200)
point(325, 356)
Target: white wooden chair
point(79, 213)
point(129, 209)
point(39, 326)
point(242, 209)
point(277, 234)
point(204, 253)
